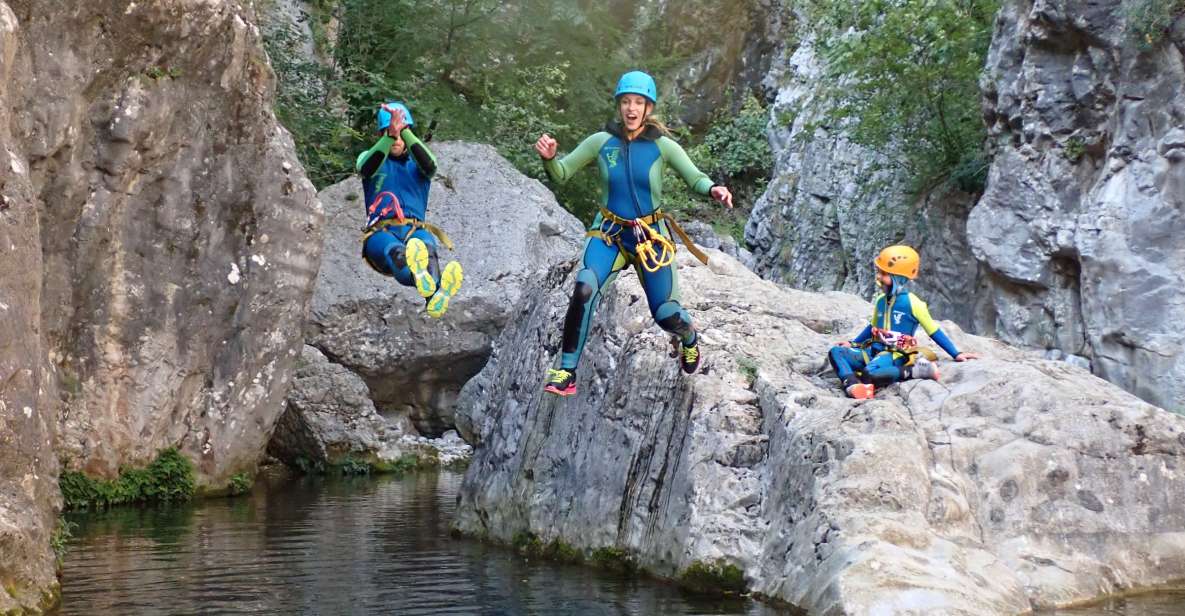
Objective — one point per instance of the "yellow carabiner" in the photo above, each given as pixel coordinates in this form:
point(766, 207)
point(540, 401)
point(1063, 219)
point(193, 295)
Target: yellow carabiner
point(651, 259)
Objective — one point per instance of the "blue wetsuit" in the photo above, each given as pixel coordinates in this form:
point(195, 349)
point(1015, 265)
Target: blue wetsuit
point(901, 312)
point(409, 178)
point(631, 188)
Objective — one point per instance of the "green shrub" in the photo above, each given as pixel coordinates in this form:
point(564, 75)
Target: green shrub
point(613, 559)
point(719, 577)
point(60, 539)
point(905, 76)
point(169, 478)
point(240, 483)
point(1148, 21)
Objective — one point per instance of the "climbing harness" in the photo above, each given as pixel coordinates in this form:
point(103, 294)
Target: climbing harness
point(380, 219)
point(650, 258)
point(898, 344)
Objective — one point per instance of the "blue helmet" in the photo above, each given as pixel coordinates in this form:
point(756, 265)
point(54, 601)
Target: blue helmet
point(637, 82)
point(384, 116)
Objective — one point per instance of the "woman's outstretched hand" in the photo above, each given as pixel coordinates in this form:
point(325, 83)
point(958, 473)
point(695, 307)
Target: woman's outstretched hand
point(722, 195)
point(967, 356)
point(546, 147)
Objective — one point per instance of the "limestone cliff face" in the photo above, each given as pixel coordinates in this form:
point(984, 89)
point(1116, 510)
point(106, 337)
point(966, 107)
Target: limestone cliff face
point(1073, 248)
point(833, 204)
point(1081, 224)
point(28, 466)
point(160, 245)
point(1012, 483)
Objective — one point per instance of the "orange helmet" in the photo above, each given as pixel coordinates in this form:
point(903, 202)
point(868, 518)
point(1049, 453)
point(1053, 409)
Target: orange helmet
point(899, 260)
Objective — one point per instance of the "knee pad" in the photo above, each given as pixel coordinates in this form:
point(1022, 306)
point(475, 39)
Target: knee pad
point(398, 256)
point(586, 286)
point(673, 318)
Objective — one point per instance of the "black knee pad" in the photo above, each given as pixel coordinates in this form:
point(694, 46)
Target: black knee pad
point(583, 293)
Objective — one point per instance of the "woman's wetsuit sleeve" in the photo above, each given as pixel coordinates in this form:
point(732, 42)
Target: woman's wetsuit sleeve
point(560, 170)
point(424, 158)
point(369, 161)
point(921, 312)
point(677, 158)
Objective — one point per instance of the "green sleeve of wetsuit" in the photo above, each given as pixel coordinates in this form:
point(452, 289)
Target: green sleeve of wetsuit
point(921, 312)
point(561, 170)
point(382, 148)
point(677, 158)
point(420, 151)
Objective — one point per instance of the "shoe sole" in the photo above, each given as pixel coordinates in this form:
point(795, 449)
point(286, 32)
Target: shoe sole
point(551, 389)
point(417, 262)
point(450, 283)
point(862, 392)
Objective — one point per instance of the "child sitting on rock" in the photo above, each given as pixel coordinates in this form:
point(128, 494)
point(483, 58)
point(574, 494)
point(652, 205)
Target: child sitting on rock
point(885, 351)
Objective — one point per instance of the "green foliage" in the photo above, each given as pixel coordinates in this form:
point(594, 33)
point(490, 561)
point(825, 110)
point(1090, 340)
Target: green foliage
point(905, 74)
point(613, 559)
point(484, 70)
point(169, 478)
point(60, 539)
point(1074, 148)
point(407, 462)
point(1148, 21)
point(748, 367)
point(713, 578)
point(529, 545)
point(354, 466)
point(735, 152)
point(240, 483)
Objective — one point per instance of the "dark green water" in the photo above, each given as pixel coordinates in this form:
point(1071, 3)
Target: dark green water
point(361, 546)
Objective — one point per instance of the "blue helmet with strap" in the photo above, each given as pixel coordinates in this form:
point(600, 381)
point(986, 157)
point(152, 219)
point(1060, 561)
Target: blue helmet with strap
point(637, 82)
point(384, 116)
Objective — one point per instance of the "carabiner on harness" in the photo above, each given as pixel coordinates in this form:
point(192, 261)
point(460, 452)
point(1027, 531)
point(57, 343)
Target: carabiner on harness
point(377, 212)
point(651, 259)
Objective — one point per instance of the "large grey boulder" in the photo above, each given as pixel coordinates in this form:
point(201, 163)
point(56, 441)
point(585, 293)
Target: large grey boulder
point(28, 467)
point(507, 229)
point(160, 240)
point(330, 420)
point(1013, 483)
point(1081, 223)
point(833, 204)
point(181, 237)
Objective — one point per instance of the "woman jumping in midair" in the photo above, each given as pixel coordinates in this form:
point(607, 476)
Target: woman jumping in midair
point(631, 229)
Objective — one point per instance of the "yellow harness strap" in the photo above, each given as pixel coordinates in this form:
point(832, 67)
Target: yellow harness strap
point(436, 231)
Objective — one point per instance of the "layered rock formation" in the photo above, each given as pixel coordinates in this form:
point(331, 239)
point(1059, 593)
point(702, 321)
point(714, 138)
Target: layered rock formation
point(1013, 483)
point(28, 466)
point(722, 50)
point(1081, 221)
point(161, 244)
point(833, 204)
point(507, 229)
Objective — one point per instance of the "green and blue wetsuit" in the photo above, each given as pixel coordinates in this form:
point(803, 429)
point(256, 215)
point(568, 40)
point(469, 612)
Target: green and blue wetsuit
point(631, 188)
point(901, 312)
point(409, 178)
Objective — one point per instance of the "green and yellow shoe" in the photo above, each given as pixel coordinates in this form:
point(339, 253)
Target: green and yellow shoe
point(417, 262)
point(450, 283)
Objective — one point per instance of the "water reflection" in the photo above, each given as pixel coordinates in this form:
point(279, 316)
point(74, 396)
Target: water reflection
point(343, 546)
